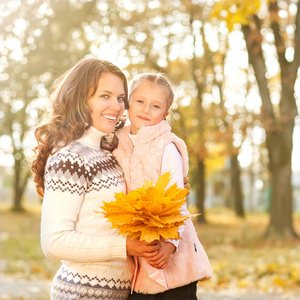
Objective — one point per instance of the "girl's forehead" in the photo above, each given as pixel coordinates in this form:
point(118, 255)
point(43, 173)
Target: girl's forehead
point(155, 86)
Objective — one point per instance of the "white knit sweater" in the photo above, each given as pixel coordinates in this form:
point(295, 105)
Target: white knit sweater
point(78, 178)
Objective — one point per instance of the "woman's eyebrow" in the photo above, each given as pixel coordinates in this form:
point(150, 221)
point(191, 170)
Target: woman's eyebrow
point(109, 92)
point(105, 91)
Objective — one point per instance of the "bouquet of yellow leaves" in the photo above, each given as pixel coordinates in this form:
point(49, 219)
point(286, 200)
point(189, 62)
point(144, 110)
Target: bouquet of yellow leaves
point(149, 213)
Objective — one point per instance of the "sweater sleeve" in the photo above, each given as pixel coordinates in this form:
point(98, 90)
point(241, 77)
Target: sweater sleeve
point(66, 180)
point(172, 161)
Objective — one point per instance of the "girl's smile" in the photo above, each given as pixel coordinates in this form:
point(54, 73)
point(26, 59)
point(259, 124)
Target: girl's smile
point(143, 118)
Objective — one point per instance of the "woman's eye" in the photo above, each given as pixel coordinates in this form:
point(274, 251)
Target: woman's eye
point(104, 96)
point(121, 99)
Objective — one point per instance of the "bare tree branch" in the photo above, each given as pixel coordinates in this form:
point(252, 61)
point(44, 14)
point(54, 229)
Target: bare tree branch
point(279, 42)
point(296, 61)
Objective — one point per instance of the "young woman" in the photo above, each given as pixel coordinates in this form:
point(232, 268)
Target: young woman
point(74, 175)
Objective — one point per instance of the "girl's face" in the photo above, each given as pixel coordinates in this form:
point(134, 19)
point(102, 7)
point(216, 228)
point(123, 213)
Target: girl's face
point(107, 105)
point(148, 105)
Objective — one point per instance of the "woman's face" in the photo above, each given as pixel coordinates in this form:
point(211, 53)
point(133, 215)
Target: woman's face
point(108, 103)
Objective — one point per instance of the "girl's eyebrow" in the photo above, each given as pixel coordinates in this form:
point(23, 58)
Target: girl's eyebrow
point(156, 101)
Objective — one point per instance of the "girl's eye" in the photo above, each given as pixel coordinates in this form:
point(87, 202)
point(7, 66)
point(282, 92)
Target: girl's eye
point(139, 101)
point(156, 106)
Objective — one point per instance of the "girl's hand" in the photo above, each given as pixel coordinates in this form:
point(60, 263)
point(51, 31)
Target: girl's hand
point(186, 184)
point(161, 259)
point(137, 248)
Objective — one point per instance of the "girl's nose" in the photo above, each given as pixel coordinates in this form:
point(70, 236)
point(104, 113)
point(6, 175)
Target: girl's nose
point(147, 109)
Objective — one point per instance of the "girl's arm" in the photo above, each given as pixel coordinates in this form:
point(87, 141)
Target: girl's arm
point(171, 161)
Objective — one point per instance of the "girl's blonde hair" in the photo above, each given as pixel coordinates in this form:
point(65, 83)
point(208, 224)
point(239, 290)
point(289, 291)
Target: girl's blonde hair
point(158, 78)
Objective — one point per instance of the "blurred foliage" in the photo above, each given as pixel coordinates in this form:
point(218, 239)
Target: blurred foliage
point(236, 11)
point(41, 39)
point(38, 43)
point(266, 25)
point(213, 113)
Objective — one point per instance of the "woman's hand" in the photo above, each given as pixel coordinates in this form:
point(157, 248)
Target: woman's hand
point(162, 257)
point(137, 248)
point(186, 184)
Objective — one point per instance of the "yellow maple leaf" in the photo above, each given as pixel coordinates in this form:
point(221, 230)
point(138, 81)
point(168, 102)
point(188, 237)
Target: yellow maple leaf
point(173, 219)
point(170, 233)
point(147, 185)
point(148, 213)
point(149, 235)
point(163, 181)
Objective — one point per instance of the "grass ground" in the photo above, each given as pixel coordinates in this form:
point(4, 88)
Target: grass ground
point(242, 259)
point(20, 252)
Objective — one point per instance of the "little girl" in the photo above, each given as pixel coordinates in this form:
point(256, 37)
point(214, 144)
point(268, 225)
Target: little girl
point(147, 149)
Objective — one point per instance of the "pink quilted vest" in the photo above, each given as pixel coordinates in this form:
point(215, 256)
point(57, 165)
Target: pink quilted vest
point(143, 162)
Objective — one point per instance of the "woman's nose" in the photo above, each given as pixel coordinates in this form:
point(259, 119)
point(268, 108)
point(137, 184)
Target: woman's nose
point(115, 104)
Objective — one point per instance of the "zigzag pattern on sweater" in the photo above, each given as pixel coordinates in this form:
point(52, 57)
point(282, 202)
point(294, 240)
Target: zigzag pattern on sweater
point(68, 285)
point(78, 169)
point(66, 291)
point(75, 278)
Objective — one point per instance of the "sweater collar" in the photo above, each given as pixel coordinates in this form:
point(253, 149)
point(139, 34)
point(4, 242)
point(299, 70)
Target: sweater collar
point(92, 137)
point(144, 135)
point(148, 133)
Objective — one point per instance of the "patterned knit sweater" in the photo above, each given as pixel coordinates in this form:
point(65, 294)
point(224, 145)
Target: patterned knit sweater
point(78, 178)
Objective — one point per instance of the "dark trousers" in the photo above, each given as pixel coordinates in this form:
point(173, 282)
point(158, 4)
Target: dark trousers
point(187, 292)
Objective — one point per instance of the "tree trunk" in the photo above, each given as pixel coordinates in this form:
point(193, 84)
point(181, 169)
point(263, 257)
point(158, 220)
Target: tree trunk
point(281, 209)
point(17, 205)
point(279, 130)
point(21, 176)
point(17, 202)
point(236, 190)
point(200, 190)
point(252, 187)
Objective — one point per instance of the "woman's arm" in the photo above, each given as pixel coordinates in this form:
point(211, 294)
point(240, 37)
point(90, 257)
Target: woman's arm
point(66, 183)
point(66, 180)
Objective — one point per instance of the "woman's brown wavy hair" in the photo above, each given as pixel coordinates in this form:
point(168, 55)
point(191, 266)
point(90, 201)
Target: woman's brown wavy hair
point(68, 116)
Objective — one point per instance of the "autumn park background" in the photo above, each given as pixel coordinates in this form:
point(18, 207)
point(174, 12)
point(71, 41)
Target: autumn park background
point(234, 65)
